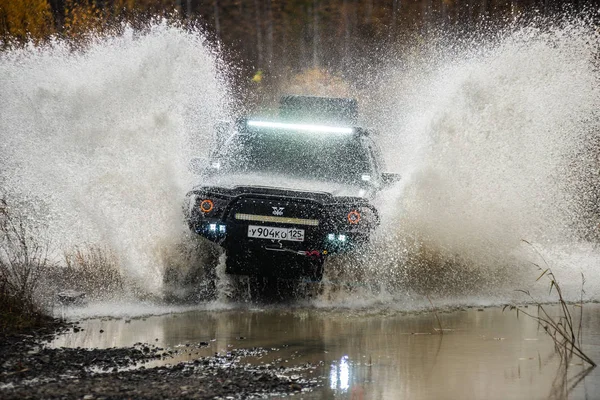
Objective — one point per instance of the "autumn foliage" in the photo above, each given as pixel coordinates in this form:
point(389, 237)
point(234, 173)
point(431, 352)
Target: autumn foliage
point(272, 40)
point(25, 19)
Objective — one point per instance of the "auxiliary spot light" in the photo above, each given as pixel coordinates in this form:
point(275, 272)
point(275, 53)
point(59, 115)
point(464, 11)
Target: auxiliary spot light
point(354, 217)
point(206, 206)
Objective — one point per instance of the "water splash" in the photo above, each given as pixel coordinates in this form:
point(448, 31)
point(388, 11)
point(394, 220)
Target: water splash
point(494, 137)
point(102, 137)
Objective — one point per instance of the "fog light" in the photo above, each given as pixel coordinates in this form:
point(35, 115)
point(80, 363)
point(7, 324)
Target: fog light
point(212, 227)
point(342, 238)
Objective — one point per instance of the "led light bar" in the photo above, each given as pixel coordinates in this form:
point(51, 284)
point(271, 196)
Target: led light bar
point(281, 220)
point(300, 127)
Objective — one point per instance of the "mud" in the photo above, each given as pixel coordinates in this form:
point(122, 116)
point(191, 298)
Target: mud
point(31, 369)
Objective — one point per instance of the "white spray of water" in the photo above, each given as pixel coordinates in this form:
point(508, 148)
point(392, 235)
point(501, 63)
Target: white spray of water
point(492, 139)
point(102, 137)
point(489, 139)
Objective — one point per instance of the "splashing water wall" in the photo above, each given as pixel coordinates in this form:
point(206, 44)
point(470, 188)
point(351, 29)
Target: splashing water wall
point(494, 138)
point(491, 137)
point(102, 138)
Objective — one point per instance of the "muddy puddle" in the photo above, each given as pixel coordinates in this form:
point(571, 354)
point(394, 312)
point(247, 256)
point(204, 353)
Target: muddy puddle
point(483, 353)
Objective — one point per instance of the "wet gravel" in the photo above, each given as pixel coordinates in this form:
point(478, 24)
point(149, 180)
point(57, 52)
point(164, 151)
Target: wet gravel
point(29, 369)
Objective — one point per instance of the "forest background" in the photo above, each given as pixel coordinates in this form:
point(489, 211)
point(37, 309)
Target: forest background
point(272, 41)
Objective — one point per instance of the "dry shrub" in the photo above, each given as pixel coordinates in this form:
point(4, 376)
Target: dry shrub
point(23, 262)
point(92, 270)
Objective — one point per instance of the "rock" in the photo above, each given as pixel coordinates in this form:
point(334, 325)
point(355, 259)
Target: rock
point(295, 387)
point(71, 297)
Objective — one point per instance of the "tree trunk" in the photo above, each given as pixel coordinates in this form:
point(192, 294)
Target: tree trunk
point(444, 12)
point(269, 5)
point(347, 30)
point(426, 11)
point(259, 39)
point(395, 7)
point(217, 22)
point(484, 7)
point(284, 39)
point(369, 12)
point(316, 37)
point(471, 6)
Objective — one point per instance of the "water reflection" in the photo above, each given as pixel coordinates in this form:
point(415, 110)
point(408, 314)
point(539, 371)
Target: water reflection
point(375, 355)
point(339, 377)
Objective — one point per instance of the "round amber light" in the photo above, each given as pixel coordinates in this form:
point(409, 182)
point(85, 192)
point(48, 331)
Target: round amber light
point(206, 206)
point(354, 217)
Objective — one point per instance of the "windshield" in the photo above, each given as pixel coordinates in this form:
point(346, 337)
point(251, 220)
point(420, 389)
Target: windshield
point(322, 156)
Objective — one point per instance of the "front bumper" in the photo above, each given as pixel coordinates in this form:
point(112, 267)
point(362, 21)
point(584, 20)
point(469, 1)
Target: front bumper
point(323, 219)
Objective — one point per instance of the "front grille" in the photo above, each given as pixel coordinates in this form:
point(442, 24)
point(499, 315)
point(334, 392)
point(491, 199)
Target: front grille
point(280, 220)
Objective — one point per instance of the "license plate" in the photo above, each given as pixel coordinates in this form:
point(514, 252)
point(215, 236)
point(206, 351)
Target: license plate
point(269, 232)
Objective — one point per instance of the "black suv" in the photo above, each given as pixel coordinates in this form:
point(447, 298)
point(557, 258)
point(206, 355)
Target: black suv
point(281, 195)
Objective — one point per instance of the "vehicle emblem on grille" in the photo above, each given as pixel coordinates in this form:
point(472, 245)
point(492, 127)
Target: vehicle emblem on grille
point(278, 210)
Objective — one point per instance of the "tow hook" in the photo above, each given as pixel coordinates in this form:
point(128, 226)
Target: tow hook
point(313, 254)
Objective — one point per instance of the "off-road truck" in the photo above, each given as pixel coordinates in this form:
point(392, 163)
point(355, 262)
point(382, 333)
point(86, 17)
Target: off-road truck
point(281, 195)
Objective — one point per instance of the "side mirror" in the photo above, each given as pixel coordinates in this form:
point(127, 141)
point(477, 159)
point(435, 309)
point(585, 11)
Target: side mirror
point(389, 178)
point(197, 165)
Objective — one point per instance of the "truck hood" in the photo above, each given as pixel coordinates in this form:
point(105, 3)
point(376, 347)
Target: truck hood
point(288, 183)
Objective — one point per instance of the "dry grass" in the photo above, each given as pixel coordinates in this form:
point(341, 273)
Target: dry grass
point(90, 269)
point(562, 329)
point(30, 281)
